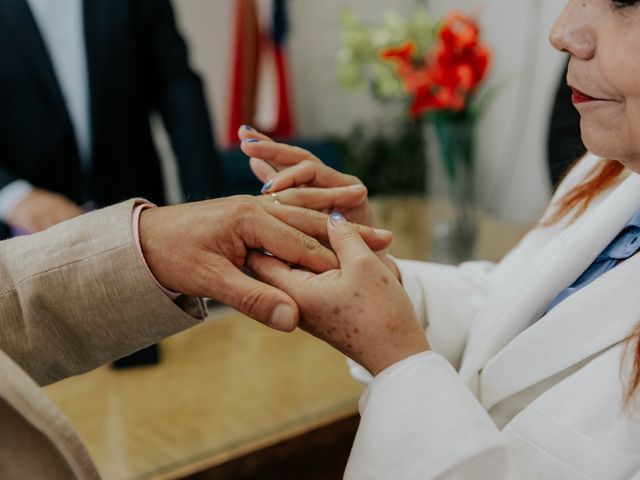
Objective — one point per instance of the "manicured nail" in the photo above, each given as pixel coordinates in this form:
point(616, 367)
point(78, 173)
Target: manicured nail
point(251, 140)
point(265, 188)
point(247, 127)
point(336, 219)
point(282, 318)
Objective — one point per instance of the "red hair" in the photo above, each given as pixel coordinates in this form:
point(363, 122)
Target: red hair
point(577, 200)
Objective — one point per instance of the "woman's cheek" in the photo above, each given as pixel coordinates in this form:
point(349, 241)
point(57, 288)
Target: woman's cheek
point(633, 116)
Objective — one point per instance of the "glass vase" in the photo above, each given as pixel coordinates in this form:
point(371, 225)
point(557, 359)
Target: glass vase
point(454, 216)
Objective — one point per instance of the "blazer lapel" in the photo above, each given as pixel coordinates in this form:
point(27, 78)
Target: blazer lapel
point(23, 32)
point(600, 315)
point(559, 263)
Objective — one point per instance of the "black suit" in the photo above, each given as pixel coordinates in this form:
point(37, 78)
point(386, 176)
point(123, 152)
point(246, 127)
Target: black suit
point(137, 63)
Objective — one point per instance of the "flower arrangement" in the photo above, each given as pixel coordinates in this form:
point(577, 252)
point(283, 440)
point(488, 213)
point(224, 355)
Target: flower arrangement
point(448, 74)
point(435, 69)
point(435, 65)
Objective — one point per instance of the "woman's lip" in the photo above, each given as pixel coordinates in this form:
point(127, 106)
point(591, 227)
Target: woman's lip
point(581, 97)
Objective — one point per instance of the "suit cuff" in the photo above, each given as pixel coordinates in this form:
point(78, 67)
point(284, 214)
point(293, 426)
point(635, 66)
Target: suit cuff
point(136, 237)
point(11, 195)
point(426, 420)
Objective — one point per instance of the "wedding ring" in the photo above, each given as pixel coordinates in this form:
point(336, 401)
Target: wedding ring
point(275, 198)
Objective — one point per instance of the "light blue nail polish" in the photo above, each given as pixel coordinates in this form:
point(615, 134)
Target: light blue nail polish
point(265, 188)
point(248, 127)
point(251, 140)
point(336, 219)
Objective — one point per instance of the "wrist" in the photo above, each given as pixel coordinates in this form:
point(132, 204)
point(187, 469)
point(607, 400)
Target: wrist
point(137, 227)
point(384, 359)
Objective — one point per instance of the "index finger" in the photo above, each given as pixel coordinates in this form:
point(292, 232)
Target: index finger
point(314, 224)
point(289, 244)
point(279, 155)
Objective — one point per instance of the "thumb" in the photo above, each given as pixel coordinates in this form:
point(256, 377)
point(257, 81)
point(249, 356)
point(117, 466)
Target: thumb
point(258, 300)
point(346, 241)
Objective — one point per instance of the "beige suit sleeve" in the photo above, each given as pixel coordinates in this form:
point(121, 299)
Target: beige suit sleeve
point(77, 296)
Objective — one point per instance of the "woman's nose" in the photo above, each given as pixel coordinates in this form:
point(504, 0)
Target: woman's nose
point(574, 30)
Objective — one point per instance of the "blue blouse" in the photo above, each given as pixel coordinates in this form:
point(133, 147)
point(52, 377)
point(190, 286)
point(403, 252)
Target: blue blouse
point(625, 245)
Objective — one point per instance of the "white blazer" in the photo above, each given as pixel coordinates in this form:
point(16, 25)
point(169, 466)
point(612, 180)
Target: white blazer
point(503, 396)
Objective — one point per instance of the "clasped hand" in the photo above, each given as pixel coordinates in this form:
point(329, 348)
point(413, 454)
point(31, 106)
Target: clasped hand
point(200, 249)
point(359, 308)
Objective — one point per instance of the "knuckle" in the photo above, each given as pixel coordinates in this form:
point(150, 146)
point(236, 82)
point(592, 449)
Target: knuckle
point(244, 206)
point(310, 244)
point(363, 262)
point(308, 164)
point(251, 302)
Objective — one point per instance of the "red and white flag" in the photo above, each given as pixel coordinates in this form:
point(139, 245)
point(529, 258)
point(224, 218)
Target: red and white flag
point(260, 90)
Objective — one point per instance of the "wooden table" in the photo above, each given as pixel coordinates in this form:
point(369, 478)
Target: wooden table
point(230, 387)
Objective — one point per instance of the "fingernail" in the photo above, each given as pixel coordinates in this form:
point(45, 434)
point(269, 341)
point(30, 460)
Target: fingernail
point(354, 187)
point(383, 232)
point(265, 188)
point(251, 140)
point(336, 219)
point(247, 127)
point(282, 318)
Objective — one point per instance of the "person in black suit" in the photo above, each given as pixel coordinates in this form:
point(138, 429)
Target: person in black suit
point(78, 81)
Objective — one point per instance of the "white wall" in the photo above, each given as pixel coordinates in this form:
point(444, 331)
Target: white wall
point(513, 181)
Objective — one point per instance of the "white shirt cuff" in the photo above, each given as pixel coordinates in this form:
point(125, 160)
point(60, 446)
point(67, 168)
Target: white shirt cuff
point(11, 195)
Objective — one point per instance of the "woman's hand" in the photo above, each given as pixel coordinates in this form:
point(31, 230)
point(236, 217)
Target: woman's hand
point(281, 166)
point(360, 309)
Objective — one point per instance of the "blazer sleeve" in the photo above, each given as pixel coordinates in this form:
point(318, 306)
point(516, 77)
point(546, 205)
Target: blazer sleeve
point(78, 295)
point(412, 429)
point(179, 96)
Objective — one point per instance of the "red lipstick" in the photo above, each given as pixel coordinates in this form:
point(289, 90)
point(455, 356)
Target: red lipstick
point(580, 97)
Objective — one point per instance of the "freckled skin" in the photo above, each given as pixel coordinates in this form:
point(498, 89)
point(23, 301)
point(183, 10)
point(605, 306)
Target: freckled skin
point(368, 318)
point(360, 309)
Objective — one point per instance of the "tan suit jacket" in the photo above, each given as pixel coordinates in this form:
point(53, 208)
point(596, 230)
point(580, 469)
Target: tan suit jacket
point(71, 298)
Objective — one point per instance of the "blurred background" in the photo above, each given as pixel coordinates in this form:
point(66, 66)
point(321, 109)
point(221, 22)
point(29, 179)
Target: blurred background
point(513, 176)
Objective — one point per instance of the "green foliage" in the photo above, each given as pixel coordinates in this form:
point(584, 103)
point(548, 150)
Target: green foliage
point(358, 65)
point(389, 157)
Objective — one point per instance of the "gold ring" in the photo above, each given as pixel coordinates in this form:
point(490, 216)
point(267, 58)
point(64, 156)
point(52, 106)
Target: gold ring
point(274, 196)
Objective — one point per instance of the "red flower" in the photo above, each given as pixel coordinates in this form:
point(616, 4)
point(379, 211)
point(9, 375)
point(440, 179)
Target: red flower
point(402, 54)
point(450, 73)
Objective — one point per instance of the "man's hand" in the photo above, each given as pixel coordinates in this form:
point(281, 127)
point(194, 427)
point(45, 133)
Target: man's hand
point(360, 309)
point(200, 249)
point(42, 209)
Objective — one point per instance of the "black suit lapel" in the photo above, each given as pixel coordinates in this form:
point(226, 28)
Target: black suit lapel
point(96, 29)
point(23, 32)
